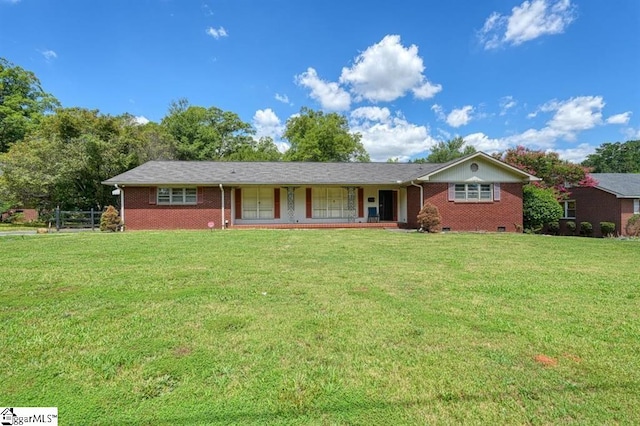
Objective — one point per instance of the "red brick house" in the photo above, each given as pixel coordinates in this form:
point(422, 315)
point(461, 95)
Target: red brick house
point(615, 199)
point(473, 193)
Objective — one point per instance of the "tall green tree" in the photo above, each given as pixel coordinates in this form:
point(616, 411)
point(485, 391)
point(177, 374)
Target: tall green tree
point(445, 151)
point(615, 158)
point(23, 103)
point(209, 133)
point(548, 166)
point(316, 136)
point(65, 160)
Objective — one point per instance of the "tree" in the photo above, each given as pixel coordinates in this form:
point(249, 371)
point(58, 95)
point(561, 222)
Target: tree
point(447, 151)
point(207, 133)
point(23, 103)
point(615, 158)
point(316, 136)
point(65, 160)
point(540, 207)
point(263, 149)
point(554, 172)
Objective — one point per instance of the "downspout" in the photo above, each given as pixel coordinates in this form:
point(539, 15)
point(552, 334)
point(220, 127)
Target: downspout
point(121, 206)
point(421, 196)
point(222, 220)
point(421, 192)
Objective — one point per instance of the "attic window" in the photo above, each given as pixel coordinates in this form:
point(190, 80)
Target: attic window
point(474, 167)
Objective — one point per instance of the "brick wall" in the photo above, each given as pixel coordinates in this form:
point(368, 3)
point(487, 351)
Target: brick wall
point(595, 206)
point(140, 214)
point(470, 216)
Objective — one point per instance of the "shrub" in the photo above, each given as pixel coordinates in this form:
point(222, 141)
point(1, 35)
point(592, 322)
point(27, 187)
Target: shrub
point(607, 229)
point(110, 220)
point(540, 206)
point(633, 226)
point(571, 227)
point(429, 218)
point(586, 229)
point(554, 228)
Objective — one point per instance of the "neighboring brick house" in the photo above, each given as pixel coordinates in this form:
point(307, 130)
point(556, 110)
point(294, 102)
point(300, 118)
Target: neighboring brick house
point(615, 199)
point(473, 193)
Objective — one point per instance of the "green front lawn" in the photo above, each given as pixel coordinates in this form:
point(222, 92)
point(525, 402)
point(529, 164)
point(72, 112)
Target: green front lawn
point(321, 327)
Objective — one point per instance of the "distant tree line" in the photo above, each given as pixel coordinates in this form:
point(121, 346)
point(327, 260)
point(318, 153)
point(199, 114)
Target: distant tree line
point(52, 155)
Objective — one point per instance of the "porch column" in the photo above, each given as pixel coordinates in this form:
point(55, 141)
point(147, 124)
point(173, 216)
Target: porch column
point(291, 203)
point(351, 204)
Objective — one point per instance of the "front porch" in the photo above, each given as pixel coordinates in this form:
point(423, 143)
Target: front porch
point(334, 225)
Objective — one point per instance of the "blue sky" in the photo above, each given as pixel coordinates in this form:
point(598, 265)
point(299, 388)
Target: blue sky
point(559, 75)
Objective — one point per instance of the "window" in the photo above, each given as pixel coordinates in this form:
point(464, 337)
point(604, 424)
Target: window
point(177, 195)
point(473, 192)
point(636, 206)
point(330, 202)
point(257, 203)
point(569, 209)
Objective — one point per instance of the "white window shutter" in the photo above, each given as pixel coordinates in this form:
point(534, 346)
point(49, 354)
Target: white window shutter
point(452, 191)
point(496, 191)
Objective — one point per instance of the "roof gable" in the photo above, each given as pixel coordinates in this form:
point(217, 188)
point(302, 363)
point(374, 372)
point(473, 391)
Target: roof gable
point(486, 169)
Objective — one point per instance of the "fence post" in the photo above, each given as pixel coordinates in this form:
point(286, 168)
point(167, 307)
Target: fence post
point(92, 219)
point(58, 218)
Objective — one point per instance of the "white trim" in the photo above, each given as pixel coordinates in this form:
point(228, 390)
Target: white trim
point(171, 196)
point(466, 191)
point(565, 209)
point(529, 177)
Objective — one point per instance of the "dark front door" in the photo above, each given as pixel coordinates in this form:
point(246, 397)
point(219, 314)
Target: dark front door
point(388, 205)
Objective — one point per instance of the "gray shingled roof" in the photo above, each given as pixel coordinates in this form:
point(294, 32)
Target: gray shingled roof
point(625, 185)
point(282, 173)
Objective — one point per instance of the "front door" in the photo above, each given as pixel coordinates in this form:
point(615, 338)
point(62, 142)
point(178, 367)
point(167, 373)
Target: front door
point(388, 206)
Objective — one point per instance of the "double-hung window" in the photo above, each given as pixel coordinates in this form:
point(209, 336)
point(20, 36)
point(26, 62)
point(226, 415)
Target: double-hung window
point(330, 203)
point(177, 195)
point(568, 209)
point(473, 192)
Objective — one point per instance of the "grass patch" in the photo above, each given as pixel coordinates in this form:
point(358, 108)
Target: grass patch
point(324, 327)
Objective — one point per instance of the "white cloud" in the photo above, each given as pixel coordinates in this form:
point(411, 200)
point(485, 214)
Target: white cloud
point(49, 54)
point(385, 135)
point(217, 33)
point(426, 91)
point(140, 119)
point(631, 134)
point(619, 118)
point(530, 20)
point(484, 143)
point(387, 71)
point(576, 114)
point(330, 95)
point(460, 117)
point(283, 98)
point(506, 103)
point(267, 124)
point(577, 154)
point(439, 112)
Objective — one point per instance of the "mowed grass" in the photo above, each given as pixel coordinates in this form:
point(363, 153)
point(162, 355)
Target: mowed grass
point(321, 327)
